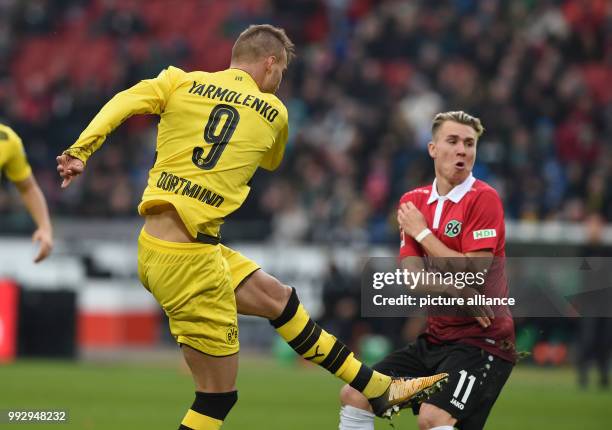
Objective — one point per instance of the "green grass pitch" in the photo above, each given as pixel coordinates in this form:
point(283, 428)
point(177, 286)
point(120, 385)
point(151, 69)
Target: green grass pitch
point(271, 396)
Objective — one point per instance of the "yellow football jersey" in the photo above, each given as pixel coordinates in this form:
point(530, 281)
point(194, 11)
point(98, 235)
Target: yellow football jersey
point(13, 161)
point(215, 130)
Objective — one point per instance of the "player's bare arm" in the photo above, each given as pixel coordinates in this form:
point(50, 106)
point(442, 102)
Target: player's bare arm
point(34, 200)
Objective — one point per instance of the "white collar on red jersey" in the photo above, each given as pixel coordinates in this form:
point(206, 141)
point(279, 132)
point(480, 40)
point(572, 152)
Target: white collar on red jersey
point(455, 195)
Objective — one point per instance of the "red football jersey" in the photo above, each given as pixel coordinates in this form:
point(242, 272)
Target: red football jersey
point(469, 218)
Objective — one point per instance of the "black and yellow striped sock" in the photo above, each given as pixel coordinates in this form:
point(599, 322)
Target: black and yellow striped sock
point(313, 343)
point(208, 411)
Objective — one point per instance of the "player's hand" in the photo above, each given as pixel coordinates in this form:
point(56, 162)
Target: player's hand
point(69, 168)
point(44, 237)
point(410, 219)
point(483, 313)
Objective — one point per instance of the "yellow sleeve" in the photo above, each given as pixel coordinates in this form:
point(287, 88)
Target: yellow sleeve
point(146, 97)
point(17, 167)
point(272, 159)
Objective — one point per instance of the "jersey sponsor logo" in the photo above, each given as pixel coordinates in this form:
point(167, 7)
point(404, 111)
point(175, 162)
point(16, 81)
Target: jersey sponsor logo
point(214, 92)
point(460, 402)
point(177, 185)
point(231, 336)
point(453, 228)
point(484, 234)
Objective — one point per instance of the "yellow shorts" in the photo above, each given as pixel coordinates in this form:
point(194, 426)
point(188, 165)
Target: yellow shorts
point(240, 267)
point(191, 281)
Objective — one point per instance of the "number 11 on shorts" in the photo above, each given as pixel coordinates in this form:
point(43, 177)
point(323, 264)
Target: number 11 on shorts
point(468, 390)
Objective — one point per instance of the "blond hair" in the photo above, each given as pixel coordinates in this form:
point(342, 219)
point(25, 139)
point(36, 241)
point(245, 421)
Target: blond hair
point(259, 41)
point(457, 116)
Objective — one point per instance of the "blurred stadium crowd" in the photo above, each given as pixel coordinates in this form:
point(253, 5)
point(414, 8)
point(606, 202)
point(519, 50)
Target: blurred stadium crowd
point(369, 77)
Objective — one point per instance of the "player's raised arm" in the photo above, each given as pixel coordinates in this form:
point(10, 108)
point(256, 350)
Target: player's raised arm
point(146, 97)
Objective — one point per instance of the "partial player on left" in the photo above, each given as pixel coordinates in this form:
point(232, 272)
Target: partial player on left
point(14, 164)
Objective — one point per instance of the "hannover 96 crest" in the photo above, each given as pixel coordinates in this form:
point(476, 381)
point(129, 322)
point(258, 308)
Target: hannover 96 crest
point(453, 228)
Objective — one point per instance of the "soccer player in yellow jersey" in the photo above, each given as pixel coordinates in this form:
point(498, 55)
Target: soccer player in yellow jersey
point(14, 164)
point(215, 130)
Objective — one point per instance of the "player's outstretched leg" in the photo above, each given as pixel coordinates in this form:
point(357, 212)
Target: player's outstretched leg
point(263, 295)
point(313, 343)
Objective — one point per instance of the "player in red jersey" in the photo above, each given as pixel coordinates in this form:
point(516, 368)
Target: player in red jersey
point(460, 219)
